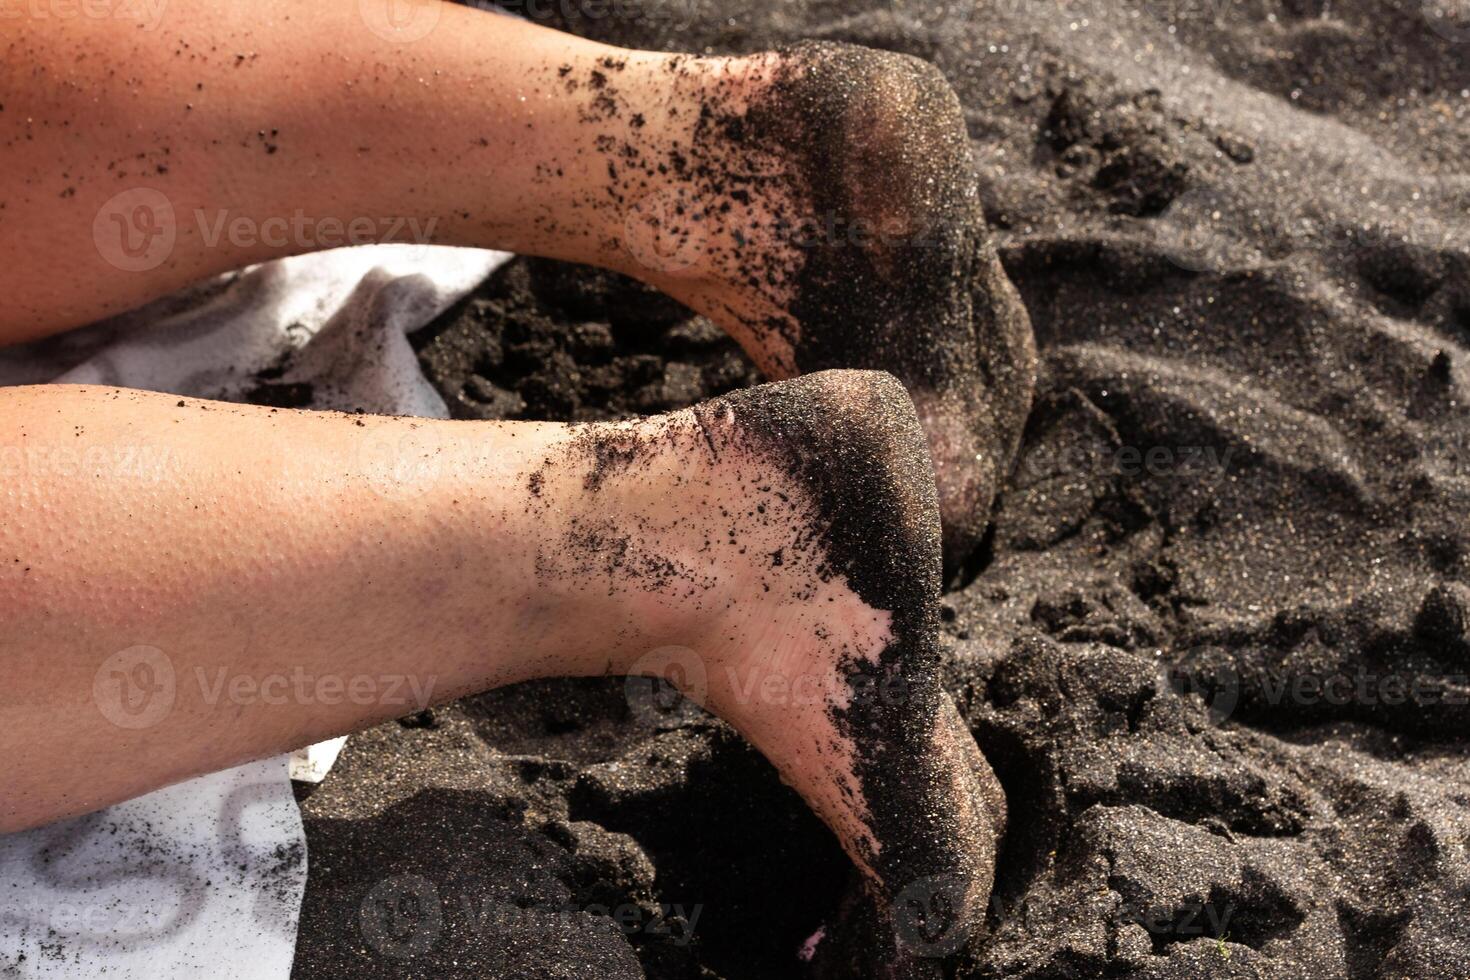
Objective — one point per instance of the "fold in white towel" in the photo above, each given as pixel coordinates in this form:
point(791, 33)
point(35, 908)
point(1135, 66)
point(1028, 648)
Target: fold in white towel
point(205, 879)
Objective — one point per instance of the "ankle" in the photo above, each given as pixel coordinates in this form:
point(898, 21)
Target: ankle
point(836, 464)
point(709, 191)
point(757, 518)
point(852, 443)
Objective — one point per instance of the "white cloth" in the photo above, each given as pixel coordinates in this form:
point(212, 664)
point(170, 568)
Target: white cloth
point(205, 879)
point(202, 879)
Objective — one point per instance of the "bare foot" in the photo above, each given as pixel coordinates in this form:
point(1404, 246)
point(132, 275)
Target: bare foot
point(823, 209)
point(794, 571)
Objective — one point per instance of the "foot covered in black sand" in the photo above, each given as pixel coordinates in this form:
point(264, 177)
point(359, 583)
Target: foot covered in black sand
point(806, 535)
point(929, 806)
point(833, 204)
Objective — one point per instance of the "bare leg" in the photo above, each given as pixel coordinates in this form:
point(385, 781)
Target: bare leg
point(238, 116)
point(180, 579)
point(819, 204)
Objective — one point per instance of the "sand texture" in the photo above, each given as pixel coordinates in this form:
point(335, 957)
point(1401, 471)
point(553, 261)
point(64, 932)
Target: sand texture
point(1217, 644)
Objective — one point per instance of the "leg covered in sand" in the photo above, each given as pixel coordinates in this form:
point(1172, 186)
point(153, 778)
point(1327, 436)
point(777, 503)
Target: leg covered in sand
point(818, 203)
point(787, 533)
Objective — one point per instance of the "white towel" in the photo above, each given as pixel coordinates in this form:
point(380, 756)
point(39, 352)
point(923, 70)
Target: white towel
point(205, 879)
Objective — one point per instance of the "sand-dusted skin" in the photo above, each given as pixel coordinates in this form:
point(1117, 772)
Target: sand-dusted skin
point(818, 569)
point(934, 807)
point(819, 202)
point(900, 275)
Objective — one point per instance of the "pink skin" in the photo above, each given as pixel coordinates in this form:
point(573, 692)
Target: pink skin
point(205, 109)
point(143, 156)
point(209, 540)
point(273, 542)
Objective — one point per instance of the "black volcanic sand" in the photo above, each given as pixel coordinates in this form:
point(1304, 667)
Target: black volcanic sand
point(1217, 643)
